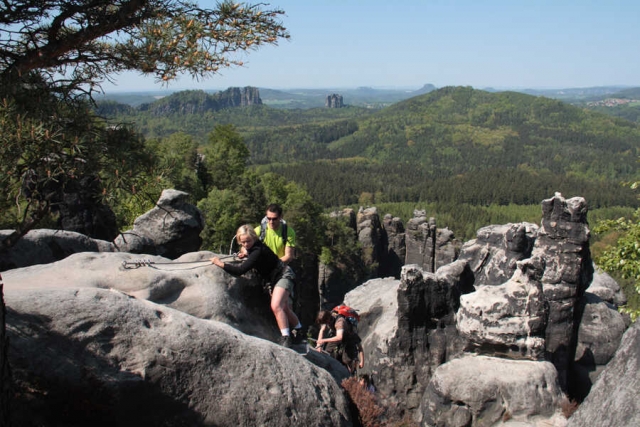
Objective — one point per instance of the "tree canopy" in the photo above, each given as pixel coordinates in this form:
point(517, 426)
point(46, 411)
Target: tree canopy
point(55, 54)
point(80, 43)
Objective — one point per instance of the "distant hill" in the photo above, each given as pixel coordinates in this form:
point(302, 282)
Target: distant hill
point(624, 104)
point(461, 138)
point(450, 145)
point(290, 98)
point(575, 94)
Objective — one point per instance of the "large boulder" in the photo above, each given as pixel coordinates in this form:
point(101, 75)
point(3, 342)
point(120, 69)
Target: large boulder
point(89, 356)
point(601, 329)
point(97, 336)
point(480, 391)
point(42, 246)
point(171, 229)
point(613, 400)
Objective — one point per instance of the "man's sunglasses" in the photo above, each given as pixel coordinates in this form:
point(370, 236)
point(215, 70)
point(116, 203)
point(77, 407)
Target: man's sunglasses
point(272, 218)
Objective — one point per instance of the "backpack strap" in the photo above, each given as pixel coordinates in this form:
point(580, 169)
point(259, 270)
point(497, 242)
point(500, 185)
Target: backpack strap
point(263, 230)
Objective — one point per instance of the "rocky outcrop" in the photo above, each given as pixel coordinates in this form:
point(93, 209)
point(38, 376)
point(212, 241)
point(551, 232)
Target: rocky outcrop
point(427, 336)
point(484, 391)
point(334, 101)
point(493, 254)
point(563, 245)
point(613, 400)
point(102, 339)
point(449, 320)
point(507, 320)
point(172, 228)
point(396, 250)
point(43, 246)
point(428, 246)
point(600, 333)
point(372, 238)
point(408, 329)
point(199, 102)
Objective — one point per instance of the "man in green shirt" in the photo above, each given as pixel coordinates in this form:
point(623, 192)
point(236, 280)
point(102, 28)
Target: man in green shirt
point(277, 235)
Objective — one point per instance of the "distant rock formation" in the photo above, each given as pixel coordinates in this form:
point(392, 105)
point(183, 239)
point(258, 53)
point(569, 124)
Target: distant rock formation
point(334, 101)
point(425, 89)
point(198, 101)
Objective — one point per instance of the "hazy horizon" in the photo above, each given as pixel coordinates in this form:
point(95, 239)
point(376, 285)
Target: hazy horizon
point(494, 44)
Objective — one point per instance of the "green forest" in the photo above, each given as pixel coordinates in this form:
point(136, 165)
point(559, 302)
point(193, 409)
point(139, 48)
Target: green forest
point(451, 146)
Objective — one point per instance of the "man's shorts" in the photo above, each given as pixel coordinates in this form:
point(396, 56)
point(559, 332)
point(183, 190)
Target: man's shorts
point(286, 281)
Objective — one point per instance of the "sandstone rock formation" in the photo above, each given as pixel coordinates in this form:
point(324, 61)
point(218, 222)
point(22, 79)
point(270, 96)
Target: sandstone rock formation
point(460, 323)
point(613, 400)
point(498, 309)
point(334, 101)
point(199, 102)
point(97, 341)
point(172, 228)
point(428, 246)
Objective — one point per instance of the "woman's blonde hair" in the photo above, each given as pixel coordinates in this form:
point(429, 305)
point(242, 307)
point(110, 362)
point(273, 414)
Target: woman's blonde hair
point(246, 230)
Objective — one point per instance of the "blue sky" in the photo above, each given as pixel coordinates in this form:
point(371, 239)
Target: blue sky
point(519, 44)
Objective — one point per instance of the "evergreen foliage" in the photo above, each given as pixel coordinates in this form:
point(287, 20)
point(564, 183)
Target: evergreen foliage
point(622, 258)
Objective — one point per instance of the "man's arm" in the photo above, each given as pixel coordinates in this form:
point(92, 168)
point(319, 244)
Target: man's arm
point(289, 254)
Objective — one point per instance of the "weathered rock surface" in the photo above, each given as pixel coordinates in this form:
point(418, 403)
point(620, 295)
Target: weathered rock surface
point(170, 229)
point(428, 246)
point(482, 391)
point(91, 356)
point(371, 237)
point(408, 329)
point(613, 400)
point(563, 243)
point(600, 333)
point(392, 263)
point(44, 246)
point(493, 254)
point(507, 320)
point(114, 338)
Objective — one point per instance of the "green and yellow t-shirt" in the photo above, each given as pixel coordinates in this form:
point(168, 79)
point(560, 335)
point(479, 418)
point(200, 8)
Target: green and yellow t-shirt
point(273, 239)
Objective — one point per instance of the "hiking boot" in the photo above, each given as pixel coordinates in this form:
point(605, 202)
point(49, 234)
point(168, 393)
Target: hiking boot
point(298, 337)
point(285, 341)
